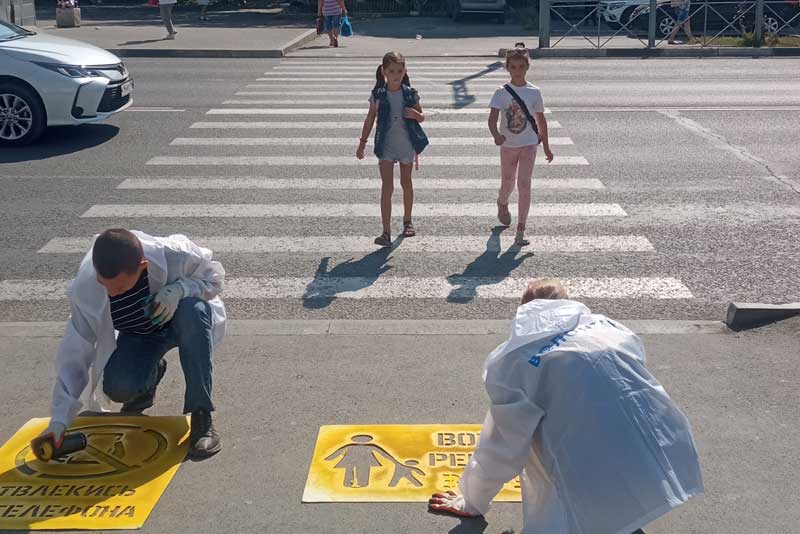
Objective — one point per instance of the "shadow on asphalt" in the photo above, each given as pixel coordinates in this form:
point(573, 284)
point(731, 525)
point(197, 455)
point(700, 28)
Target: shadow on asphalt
point(60, 141)
point(491, 267)
point(360, 274)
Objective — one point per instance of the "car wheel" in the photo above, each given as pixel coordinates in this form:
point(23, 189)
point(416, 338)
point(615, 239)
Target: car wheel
point(665, 25)
point(771, 25)
point(22, 117)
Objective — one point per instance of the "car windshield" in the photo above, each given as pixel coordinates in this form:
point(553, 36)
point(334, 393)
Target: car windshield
point(10, 31)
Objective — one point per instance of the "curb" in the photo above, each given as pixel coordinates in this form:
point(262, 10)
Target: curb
point(402, 327)
point(300, 40)
point(643, 53)
point(746, 315)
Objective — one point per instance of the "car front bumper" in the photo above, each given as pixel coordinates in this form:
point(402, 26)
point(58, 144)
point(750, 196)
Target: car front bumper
point(84, 100)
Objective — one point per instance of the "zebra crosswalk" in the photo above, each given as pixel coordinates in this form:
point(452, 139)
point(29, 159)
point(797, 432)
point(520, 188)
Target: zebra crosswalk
point(294, 214)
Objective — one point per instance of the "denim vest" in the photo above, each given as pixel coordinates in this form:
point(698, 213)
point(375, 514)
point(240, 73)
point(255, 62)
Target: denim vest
point(415, 133)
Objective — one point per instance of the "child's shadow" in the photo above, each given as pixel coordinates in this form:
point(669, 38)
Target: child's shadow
point(346, 277)
point(498, 264)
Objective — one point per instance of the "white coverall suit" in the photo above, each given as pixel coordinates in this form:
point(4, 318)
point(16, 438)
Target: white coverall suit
point(90, 338)
point(599, 446)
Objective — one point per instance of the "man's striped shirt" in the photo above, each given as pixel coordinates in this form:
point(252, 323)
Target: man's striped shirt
point(130, 311)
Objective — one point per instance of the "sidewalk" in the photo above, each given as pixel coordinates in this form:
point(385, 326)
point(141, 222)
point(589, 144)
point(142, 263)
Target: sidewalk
point(274, 392)
point(137, 31)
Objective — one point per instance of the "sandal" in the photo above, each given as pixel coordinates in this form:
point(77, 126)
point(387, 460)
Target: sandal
point(385, 240)
point(408, 229)
point(520, 240)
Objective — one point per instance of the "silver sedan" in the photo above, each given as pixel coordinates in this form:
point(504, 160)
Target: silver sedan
point(52, 81)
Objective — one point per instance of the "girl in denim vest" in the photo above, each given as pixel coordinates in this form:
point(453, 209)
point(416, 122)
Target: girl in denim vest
point(398, 138)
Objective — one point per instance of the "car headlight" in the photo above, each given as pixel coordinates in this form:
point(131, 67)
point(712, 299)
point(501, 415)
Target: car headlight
point(71, 71)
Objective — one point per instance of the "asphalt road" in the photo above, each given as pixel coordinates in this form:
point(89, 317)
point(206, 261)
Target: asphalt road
point(700, 154)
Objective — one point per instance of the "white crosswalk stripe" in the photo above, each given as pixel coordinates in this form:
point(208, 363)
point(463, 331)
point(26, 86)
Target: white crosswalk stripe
point(420, 244)
point(356, 287)
point(296, 126)
point(338, 111)
point(340, 125)
point(333, 141)
point(341, 210)
point(343, 183)
point(346, 161)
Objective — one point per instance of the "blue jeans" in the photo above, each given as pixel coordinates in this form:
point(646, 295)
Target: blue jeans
point(132, 369)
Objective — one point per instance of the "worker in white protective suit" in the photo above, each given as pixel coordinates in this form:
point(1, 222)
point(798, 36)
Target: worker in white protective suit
point(155, 294)
point(599, 446)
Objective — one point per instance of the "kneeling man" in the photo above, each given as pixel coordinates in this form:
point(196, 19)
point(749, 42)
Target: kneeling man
point(158, 294)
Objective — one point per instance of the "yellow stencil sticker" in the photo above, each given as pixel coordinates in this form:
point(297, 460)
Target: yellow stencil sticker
point(112, 484)
point(392, 463)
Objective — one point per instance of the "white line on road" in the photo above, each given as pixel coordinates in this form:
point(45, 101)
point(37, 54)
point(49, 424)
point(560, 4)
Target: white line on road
point(339, 111)
point(340, 210)
point(389, 287)
point(332, 141)
point(344, 183)
point(154, 109)
point(294, 63)
point(350, 161)
point(322, 126)
point(418, 80)
point(483, 102)
point(356, 93)
point(302, 74)
point(420, 244)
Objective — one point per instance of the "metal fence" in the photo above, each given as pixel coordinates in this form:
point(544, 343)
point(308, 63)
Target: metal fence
point(651, 22)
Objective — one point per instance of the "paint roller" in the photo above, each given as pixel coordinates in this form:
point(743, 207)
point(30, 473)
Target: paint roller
point(44, 447)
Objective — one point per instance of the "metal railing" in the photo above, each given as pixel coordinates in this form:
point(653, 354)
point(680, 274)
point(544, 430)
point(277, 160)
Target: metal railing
point(650, 22)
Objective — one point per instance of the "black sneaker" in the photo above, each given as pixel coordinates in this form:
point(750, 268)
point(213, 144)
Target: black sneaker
point(146, 401)
point(204, 441)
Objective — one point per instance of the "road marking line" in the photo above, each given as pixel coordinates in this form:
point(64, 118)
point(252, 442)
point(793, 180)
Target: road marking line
point(349, 244)
point(341, 210)
point(483, 102)
point(389, 287)
point(155, 109)
point(339, 111)
point(345, 183)
point(358, 93)
point(338, 125)
point(302, 74)
point(350, 161)
point(333, 141)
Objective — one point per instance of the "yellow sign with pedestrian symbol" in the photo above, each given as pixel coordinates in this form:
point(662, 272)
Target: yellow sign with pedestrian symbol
point(392, 463)
point(113, 483)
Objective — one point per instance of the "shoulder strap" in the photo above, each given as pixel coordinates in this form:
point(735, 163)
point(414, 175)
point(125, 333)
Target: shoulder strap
point(521, 103)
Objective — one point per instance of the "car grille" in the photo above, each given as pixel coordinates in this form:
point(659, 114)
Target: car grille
point(112, 99)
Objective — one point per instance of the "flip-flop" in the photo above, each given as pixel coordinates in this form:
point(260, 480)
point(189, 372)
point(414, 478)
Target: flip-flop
point(384, 240)
point(408, 229)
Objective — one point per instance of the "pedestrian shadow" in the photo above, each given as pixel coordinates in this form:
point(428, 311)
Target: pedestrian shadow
point(345, 277)
point(146, 41)
point(491, 267)
point(461, 96)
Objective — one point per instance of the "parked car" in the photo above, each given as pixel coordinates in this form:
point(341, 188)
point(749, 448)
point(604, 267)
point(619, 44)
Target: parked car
point(493, 8)
point(721, 16)
point(615, 13)
point(48, 81)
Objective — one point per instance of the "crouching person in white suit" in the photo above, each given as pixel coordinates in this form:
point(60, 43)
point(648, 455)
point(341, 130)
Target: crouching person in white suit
point(599, 446)
point(158, 294)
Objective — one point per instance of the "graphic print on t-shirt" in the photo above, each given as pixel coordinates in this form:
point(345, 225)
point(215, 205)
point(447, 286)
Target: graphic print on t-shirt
point(515, 118)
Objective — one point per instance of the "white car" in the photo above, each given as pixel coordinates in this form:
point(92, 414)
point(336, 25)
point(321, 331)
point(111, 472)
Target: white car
point(52, 81)
point(618, 12)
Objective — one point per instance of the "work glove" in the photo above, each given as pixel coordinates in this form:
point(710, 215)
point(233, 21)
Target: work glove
point(165, 303)
point(452, 503)
point(56, 430)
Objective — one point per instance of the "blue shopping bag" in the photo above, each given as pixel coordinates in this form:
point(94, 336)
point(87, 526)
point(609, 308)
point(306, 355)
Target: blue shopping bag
point(347, 29)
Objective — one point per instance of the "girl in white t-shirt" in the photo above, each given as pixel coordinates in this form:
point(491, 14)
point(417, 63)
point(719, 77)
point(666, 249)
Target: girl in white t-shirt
point(517, 139)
